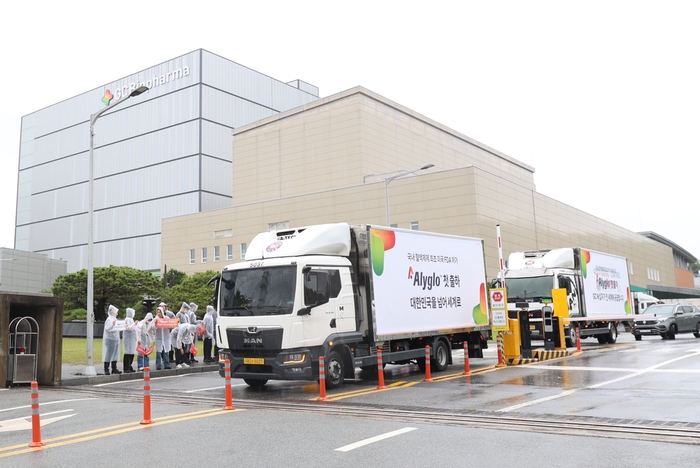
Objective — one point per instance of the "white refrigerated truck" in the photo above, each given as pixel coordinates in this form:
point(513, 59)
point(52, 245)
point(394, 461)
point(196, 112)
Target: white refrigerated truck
point(597, 290)
point(341, 292)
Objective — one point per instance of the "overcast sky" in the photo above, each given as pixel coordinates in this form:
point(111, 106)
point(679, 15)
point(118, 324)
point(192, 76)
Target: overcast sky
point(601, 97)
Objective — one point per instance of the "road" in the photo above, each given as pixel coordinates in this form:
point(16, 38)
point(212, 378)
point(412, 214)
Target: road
point(558, 412)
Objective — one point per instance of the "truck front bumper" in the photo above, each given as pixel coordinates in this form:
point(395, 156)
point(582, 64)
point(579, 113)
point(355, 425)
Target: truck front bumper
point(296, 365)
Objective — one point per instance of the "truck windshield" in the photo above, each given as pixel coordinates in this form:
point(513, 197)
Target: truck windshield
point(258, 291)
point(532, 288)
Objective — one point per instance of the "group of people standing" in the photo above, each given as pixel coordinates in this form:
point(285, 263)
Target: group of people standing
point(141, 338)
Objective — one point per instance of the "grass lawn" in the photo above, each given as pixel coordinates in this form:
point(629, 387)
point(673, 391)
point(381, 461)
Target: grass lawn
point(75, 349)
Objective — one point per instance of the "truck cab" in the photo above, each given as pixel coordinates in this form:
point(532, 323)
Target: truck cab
point(530, 278)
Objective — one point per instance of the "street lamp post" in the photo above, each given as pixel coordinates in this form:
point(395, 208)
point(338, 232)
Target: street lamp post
point(89, 364)
point(389, 179)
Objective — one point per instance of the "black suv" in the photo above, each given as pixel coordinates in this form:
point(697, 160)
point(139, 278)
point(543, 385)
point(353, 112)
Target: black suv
point(667, 320)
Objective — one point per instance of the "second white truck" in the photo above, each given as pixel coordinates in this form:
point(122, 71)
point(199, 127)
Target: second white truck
point(597, 290)
point(343, 292)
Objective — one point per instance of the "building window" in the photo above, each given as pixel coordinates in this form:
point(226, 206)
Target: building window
point(414, 226)
point(223, 233)
point(204, 255)
point(394, 225)
point(631, 267)
point(653, 274)
point(278, 225)
point(244, 248)
point(229, 252)
point(217, 253)
point(191, 256)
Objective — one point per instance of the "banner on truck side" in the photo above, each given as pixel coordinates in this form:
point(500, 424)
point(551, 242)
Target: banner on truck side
point(424, 282)
point(606, 284)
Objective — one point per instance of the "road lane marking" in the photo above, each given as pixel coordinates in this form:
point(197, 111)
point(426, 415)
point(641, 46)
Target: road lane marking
point(110, 431)
point(374, 439)
point(48, 403)
point(24, 424)
point(213, 388)
point(635, 373)
point(616, 369)
point(139, 381)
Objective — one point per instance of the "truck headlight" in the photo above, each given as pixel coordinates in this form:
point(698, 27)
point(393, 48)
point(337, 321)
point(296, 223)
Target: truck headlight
point(294, 359)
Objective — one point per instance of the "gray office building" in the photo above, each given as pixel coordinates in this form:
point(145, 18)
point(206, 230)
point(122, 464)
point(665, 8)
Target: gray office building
point(165, 153)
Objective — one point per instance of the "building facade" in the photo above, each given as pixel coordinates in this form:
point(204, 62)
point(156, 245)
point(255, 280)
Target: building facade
point(164, 153)
point(328, 161)
point(27, 272)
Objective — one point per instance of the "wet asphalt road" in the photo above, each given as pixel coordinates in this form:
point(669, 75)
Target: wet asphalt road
point(650, 381)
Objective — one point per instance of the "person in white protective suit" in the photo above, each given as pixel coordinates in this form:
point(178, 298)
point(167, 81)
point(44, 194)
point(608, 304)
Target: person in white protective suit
point(208, 334)
point(173, 343)
point(185, 333)
point(215, 315)
point(130, 327)
point(183, 312)
point(110, 341)
point(192, 315)
point(162, 342)
point(146, 337)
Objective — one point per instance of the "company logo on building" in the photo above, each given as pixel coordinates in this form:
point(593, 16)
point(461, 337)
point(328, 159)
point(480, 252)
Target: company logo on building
point(154, 81)
point(107, 97)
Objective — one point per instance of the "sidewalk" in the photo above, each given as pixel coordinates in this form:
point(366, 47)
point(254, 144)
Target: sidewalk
point(73, 375)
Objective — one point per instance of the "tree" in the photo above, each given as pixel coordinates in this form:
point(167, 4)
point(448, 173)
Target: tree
point(695, 267)
point(192, 289)
point(122, 286)
point(173, 278)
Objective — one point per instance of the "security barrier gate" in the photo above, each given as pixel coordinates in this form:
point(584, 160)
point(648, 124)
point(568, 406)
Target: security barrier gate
point(24, 349)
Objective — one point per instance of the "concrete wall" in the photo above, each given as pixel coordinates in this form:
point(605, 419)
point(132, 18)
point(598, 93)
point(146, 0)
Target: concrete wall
point(47, 310)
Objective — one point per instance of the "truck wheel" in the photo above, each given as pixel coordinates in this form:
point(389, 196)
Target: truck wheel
point(612, 336)
point(441, 357)
point(255, 383)
point(697, 330)
point(638, 337)
point(571, 337)
point(602, 339)
point(335, 370)
point(671, 335)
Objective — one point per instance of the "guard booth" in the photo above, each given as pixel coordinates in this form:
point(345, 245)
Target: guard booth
point(31, 338)
point(24, 350)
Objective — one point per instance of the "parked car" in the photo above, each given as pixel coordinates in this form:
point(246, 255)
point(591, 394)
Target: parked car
point(667, 320)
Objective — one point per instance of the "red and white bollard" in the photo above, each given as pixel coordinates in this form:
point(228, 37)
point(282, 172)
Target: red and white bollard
point(578, 339)
point(380, 369)
point(466, 359)
point(322, 378)
point(499, 344)
point(427, 365)
point(36, 423)
point(147, 396)
point(227, 375)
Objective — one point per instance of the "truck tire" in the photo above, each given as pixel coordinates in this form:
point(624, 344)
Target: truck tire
point(255, 383)
point(571, 336)
point(697, 330)
point(602, 339)
point(335, 370)
point(612, 336)
point(638, 337)
point(441, 357)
